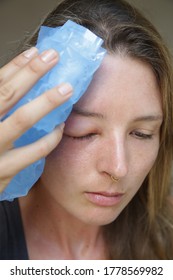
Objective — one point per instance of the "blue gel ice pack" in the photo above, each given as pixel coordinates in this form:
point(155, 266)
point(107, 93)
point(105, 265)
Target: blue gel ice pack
point(80, 56)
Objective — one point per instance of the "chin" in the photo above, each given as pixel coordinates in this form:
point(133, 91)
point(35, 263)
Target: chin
point(101, 219)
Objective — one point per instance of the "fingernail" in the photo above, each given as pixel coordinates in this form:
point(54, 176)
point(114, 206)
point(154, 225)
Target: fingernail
point(30, 53)
point(65, 89)
point(49, 55)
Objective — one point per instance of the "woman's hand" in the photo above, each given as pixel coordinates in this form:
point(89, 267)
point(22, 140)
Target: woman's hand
point(16, 79)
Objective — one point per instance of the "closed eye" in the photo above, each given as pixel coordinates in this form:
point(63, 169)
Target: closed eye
point(83, 137)
point(141, 136)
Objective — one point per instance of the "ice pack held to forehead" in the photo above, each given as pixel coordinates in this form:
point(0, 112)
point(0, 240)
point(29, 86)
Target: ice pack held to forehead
point(80, 54)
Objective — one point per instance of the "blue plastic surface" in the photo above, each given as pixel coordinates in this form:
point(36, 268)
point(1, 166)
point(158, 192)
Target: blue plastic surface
point(80, 56)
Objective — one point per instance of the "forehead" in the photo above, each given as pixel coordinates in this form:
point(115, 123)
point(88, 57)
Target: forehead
point(121, 83)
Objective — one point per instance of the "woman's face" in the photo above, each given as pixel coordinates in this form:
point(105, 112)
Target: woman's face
point(113, 130)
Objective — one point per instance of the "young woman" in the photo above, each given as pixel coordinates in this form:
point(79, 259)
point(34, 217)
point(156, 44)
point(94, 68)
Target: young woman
point(105, 189)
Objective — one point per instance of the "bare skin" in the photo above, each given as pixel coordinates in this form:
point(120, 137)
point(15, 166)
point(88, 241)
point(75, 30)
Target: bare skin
point(49, 237)
point(16, 78)
point(113, 130)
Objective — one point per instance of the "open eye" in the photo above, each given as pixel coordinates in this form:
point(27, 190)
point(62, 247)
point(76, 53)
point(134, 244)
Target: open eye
point(141, 135)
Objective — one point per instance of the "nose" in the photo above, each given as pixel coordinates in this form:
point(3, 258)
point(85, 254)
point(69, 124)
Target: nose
point(114, 157)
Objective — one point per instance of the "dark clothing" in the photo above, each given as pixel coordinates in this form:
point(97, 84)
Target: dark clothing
point(12, 238)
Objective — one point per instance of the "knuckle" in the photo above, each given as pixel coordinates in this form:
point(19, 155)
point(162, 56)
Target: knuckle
point(36, 67)
point(19, 61)
point(52, 98)
point(7, 92)
point(43, 149)
point(21, 120)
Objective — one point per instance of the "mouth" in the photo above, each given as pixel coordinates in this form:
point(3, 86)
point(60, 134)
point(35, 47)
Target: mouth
point(104, 198)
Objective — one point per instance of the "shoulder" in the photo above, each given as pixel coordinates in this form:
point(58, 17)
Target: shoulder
point(8, 214)
point(7, 211)
point(3, 230)
point(3, 214)
point(12, 238)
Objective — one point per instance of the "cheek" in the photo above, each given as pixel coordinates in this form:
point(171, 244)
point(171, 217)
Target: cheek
point(145, 160)
point(140, 168)
point(69, 156)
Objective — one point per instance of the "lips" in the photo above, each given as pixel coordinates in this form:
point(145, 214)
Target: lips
point(104, 198)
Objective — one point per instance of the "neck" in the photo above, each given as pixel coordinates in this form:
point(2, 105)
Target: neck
point(45, 222)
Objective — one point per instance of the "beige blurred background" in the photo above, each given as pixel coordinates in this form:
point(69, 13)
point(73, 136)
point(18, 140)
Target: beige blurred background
point(20, 17)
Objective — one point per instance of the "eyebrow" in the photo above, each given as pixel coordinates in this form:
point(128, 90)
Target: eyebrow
point(85, 113)
point(149, 118)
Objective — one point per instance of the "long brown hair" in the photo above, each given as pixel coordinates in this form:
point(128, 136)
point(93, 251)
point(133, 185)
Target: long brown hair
point(144, 229)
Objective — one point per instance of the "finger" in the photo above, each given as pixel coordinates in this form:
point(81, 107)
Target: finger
point(22, 81)
point(24, 118)
point(4, 183)
point(7, 71)
point(15, 160)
